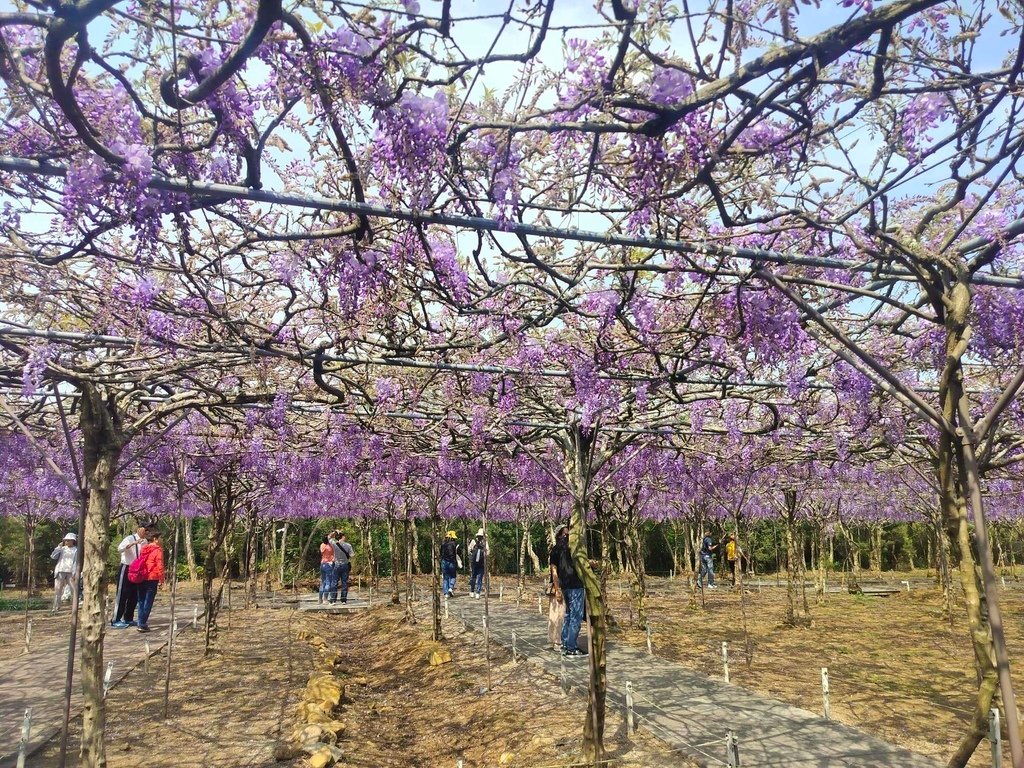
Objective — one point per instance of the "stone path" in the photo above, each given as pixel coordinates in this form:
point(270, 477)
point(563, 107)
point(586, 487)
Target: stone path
point(694, 713)
point(36, 679)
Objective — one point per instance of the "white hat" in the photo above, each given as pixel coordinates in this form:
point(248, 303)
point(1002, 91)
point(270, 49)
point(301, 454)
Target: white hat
point(480, 532)
point(70, 537)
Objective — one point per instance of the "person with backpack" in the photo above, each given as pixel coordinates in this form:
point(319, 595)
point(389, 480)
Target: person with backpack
point(479, 550)
point(147, 573)
point(568, 590)
point(449, 563)
point(707, 563)
point(343, 553)
point(127, 595)
point(65, 572)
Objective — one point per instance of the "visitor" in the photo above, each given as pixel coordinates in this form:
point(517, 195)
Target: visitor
point(733, 556)
point(151, 573)
point(450, 562)
point(707, 563)
point(479, 550)
point(65, 572)
point(127, 593)
point(327, 582)
point(556, 616)
point(342, 565)
point(568, 589)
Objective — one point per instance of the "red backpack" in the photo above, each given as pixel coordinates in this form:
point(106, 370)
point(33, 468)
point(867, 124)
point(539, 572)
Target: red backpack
point(137, 570)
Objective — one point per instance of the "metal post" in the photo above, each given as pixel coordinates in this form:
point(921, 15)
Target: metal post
point(26, 729)
point(564, 677)
point(824, 693)
point(732, 750)
point(630, 720)
point(540, 608)
point(195, 617)
point(28, 634)
point(671, 573)
point(446, 607)
point(996, 738)
point(650, 648)
point(174, 626)
point(501, 592)
point(725, 660)
point(149, 652)
point(108, 677)
point(514, 651)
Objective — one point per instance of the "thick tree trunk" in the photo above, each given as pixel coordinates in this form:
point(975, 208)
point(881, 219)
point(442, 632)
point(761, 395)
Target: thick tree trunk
point(103, 442)
point(524, 535)
point(222, 514)
point(417, 567)
point(875, 552)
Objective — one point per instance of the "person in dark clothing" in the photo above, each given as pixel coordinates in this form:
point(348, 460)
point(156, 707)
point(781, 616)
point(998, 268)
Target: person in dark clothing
point(343, 553)
point(707, 563)
point(127, 593)
point(449, 563)
point(479, 549)
point(568, 589)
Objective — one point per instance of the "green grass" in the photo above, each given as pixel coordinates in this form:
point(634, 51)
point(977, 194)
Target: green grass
point(18, 604)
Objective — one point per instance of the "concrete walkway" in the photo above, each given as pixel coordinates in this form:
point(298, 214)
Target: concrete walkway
point(36, 679)
point(691, 712)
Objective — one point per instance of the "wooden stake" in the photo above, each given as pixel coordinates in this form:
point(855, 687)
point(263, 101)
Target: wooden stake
point(28, 634)
point(825, 692)
point(650, 647)
point(108, 678)
point(732, 750)
point(630, 720)
point(725, 660)
point(996, 738)
point(26, 729)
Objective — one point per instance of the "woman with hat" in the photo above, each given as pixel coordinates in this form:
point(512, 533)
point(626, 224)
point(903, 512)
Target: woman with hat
point(479, 549)
point(449, 563)
point(65, 572)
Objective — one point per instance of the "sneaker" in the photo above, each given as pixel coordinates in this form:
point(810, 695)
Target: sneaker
point(143, 629)
point(132, 623)
point(120, 625)
point(712, 586)
point(575, 652)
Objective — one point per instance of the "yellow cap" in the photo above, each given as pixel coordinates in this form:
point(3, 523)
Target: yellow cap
point(452, 535)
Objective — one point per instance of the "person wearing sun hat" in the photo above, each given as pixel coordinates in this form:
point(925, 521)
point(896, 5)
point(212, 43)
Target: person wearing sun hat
point(449, 563)
point(65, 572)
point(479, 550)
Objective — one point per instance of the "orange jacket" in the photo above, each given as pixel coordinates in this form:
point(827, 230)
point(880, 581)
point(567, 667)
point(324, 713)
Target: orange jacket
point(152, 568)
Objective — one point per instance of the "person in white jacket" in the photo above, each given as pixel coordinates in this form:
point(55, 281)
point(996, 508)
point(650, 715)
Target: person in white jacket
point(65, 572)
point(127, 593)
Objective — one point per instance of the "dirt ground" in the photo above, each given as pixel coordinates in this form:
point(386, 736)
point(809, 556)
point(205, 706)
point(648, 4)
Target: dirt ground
point(896, 667)
point(233, 708)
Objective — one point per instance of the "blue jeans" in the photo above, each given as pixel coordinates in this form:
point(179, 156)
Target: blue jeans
point(147, 594)
point(448, 573)
point(476, 579)
point(573, 617)
point(341, 572)
point(707, 567)
point(328, 583)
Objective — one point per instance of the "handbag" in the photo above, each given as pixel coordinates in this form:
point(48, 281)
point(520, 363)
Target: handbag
point(458, 562)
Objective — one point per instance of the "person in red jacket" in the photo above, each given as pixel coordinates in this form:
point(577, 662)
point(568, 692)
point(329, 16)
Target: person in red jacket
point(152, 570)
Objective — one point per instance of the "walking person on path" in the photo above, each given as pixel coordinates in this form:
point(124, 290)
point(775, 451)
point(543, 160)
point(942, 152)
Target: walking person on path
point(127, 593)
point(733, 556)
point(343, 554)
point(449, 563)
point(479, 549)
point(65, 572)
point(707, 563)
point(150, 570)
point(568, 589)
point(327, 579)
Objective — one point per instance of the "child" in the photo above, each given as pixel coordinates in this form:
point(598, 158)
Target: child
point(152, 571)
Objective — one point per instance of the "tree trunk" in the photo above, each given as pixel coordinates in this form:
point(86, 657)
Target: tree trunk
point(190, 552)
point(222, 515)
point(875, 552)
point(796, 612)
point(524, 526)
point(395, 560)
point(103, 441)
point(534, 560)
point(417, 568)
